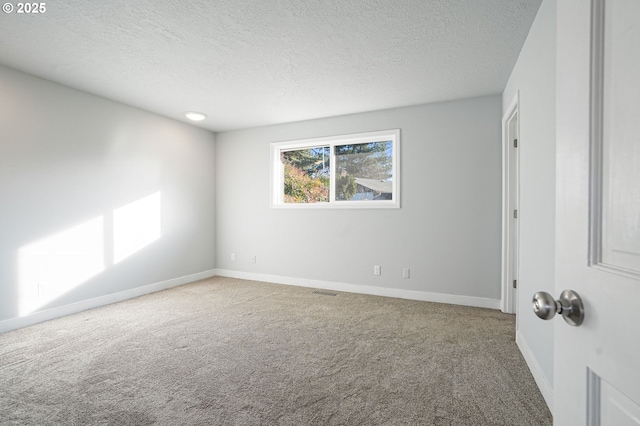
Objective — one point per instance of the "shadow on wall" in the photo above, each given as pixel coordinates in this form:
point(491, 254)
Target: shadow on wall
point(55, 265)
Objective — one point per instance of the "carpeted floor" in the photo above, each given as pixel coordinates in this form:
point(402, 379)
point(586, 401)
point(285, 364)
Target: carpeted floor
point(231, 352)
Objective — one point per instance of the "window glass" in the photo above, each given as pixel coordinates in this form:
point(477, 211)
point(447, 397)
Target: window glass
point(306, 175)
point(364, 171)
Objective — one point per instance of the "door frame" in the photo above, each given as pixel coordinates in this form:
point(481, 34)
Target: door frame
point(510, 202)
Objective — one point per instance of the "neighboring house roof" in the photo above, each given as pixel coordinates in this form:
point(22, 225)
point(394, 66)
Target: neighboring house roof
point(383, 186)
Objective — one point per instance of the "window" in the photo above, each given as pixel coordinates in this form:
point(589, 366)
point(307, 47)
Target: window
point(359, 170)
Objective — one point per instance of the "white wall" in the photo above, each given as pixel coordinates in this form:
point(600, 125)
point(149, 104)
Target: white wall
point(447, 230)
point(534, 77)
point(68, 158)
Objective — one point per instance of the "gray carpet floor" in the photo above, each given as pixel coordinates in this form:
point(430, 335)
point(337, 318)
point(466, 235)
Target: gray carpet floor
point(231, 352)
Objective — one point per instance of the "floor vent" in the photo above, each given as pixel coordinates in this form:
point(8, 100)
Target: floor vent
point(324, 293)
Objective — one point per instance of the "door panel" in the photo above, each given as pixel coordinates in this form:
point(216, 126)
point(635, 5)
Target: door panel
point(620, 43)
point(616, 408)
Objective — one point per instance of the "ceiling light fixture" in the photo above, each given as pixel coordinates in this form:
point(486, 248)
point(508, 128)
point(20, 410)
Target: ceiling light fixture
point(195, 116)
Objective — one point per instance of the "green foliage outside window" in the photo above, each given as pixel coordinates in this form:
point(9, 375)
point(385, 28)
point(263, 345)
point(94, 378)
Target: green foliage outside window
point(300, 187)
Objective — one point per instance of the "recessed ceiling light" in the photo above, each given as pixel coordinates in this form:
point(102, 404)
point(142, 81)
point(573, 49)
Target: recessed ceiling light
point(195, 116)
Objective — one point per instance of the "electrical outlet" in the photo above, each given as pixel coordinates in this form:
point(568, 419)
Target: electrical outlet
point(376, 270)
point(233, 257)
point(253, 259)
point(406, 273)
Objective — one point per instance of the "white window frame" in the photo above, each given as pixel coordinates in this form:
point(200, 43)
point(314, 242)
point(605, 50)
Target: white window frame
point(277, 170)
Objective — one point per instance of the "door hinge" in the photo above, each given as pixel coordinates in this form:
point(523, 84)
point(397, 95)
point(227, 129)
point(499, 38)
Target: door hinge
point(515, 283)
point(515, 143)
point(515, 214)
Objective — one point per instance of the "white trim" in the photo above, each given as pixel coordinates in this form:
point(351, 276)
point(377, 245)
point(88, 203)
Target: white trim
point(49, 314)
point(594, 401)
point(277, 170)
point(536, 371)
point(596, 135)
point(508, 303)
point(453, 299)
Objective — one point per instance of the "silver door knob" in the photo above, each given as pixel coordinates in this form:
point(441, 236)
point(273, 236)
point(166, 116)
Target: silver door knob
point(569, 305)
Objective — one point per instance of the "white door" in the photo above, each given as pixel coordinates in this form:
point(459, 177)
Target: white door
point(597, 364)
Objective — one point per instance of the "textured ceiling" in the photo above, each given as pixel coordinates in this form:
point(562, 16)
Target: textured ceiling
point(249, 63)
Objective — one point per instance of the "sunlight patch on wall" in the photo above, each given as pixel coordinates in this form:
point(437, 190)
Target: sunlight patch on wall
point(51, 267)
point(136, 225)
point(55, 265)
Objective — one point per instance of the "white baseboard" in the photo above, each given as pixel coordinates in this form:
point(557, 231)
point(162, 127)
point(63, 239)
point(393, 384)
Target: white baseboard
point(545, 388)
point(479, 302)
point(36, 317)
point(40, 316)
